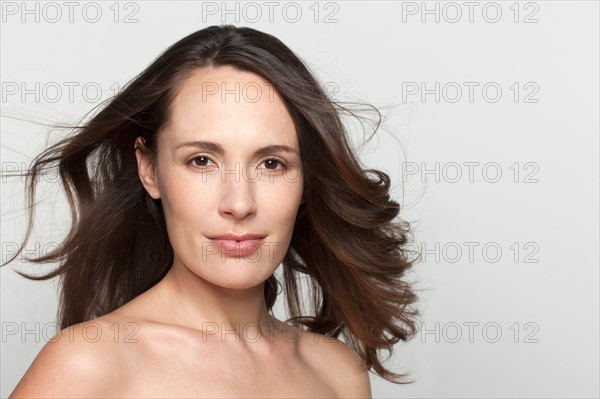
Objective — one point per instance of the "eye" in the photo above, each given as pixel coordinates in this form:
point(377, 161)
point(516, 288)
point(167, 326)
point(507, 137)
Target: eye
point(274, 161)
point(270, 163)
point(202, 159)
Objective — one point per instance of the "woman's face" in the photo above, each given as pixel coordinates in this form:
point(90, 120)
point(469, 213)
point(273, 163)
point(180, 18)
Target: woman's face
point(212, 179)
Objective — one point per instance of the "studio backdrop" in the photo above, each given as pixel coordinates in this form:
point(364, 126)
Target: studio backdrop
point(490, 138)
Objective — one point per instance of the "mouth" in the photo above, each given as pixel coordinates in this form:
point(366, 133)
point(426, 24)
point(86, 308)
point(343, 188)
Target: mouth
point(237, 237)
point(237, 247)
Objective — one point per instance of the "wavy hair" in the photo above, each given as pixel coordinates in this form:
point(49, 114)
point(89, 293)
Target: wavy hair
point(348, 239)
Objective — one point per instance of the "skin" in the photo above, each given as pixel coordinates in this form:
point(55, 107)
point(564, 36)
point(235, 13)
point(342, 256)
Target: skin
point(204, 330)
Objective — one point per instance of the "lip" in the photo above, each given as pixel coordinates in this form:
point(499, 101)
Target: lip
point(239, 245)
point(238, 237)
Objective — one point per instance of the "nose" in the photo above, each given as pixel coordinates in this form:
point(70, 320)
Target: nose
point(237, 198)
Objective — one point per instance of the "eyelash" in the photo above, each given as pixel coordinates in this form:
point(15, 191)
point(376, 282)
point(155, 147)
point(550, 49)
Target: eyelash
point(283, 164)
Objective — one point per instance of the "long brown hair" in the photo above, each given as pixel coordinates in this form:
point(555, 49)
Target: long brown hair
point(348, 237)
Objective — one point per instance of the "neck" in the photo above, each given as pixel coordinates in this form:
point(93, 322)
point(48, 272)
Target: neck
point(191, 301)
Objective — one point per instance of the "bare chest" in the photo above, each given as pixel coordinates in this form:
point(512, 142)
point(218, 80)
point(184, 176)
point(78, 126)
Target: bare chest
point(217, 373)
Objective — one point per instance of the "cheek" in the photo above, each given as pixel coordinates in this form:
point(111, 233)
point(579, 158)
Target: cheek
point(279, 201)
point(187, 208)
point(184, 197)
point(189, 196)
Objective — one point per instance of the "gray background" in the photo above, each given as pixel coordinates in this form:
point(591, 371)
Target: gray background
point(515, 317)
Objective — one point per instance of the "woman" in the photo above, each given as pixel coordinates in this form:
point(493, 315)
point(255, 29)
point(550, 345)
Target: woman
point(219, 162)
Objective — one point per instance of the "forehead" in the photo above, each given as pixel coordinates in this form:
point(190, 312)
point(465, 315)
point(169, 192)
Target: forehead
point(227, 105)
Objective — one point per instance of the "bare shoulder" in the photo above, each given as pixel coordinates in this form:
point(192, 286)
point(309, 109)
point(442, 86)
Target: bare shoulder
point(77, 362)
point(338, 363)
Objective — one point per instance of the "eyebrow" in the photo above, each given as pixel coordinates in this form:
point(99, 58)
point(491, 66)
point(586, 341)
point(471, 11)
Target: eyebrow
point(215, 147)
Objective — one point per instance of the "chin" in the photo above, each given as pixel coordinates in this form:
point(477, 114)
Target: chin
point(237, 284)
point(231, 275)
